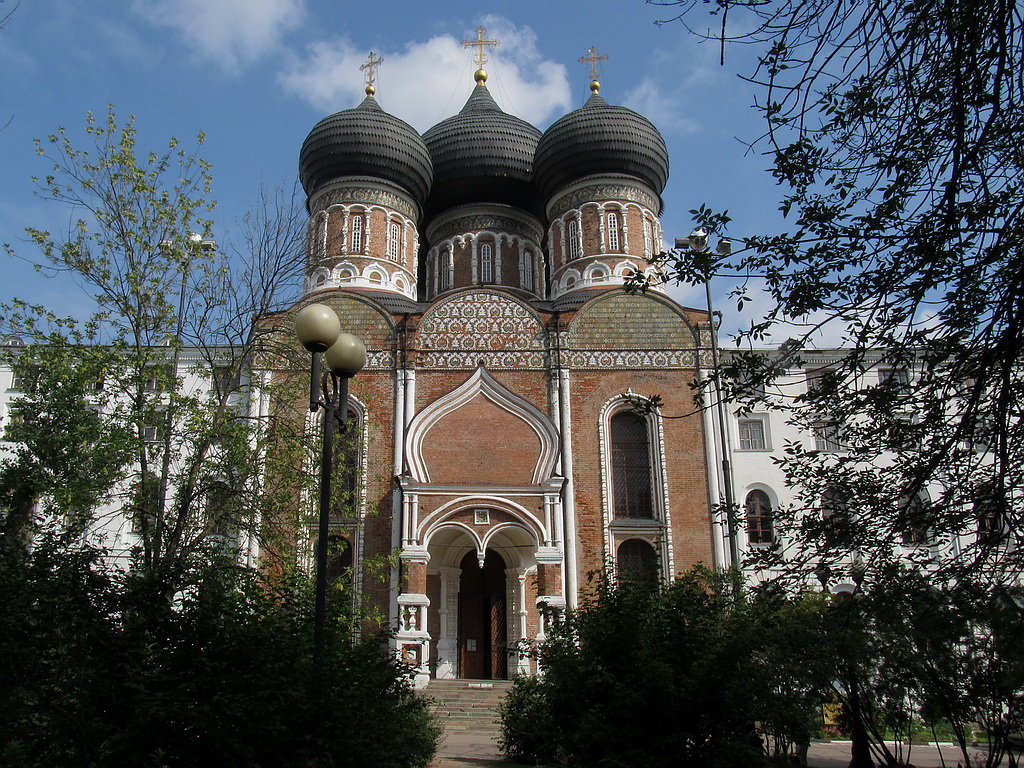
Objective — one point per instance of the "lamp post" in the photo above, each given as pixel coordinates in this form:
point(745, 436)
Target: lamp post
point(318, 329)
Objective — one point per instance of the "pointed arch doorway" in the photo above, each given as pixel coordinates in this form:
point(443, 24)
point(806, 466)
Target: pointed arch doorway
point(483, 630)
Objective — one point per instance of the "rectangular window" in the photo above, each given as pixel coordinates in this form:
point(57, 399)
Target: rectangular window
point(752, 436)
point(827, 437)
point(226, 378)
point(895, 376)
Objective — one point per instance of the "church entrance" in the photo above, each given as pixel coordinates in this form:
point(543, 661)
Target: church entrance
point(483, 634)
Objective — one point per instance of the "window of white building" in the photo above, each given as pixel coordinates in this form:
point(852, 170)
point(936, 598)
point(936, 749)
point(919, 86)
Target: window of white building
point(752, 434)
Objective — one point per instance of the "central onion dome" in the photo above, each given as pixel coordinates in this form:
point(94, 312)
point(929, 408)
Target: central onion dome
point(596, 139)
point(482, 155)
point(366, 141)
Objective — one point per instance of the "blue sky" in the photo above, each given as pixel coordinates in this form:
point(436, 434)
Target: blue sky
point(256, 75)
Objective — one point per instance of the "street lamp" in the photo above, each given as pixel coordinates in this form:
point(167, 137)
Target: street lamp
point(318, 329)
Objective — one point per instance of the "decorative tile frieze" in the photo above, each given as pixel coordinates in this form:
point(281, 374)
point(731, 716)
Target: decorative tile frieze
point(482, 321)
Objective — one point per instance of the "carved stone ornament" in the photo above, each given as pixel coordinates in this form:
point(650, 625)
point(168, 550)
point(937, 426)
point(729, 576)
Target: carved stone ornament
point(602, 190)
point(367, 191)
point(463, 225)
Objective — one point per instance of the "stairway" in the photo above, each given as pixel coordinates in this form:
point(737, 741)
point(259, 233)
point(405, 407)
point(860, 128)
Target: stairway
point(468, 706)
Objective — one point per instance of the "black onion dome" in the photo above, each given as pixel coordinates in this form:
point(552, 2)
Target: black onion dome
point(366, 141)
point(600, 138)
point(484, 155)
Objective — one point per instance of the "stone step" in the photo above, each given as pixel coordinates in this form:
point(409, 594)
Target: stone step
point(468, 706)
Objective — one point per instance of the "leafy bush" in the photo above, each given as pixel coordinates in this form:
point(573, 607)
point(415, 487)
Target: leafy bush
point(528, 732)
point(97, 673)
point(662, 676)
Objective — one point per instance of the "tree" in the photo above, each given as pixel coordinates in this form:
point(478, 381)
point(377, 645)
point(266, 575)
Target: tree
point(894, 134)
point(178, 322)
point(145, 412)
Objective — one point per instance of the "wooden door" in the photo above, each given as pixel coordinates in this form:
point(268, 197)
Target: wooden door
point(483, 632)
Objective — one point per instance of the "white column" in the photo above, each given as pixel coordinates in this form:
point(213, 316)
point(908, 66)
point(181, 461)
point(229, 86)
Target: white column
point(569, 495)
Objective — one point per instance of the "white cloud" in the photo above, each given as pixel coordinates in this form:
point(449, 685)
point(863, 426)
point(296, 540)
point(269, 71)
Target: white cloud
point(427, 81)
point(230, 33)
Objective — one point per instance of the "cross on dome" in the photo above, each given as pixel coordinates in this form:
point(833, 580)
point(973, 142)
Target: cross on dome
point(370, 68)
point(593, 62)
point(480, 44)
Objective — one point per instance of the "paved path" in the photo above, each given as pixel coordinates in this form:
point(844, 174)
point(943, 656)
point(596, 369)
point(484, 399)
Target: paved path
point(474, 750)
point(467, 750)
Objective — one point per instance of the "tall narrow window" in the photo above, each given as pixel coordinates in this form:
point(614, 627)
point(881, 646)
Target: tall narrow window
point(631, 466)
point(444, 266)
point(486, 264)
point(355, 228)
point(613, 232)
point(573, 236)
point(319, 235)
point(394, 240)
point(648, 238)
point(526, 270)
point(759, 518)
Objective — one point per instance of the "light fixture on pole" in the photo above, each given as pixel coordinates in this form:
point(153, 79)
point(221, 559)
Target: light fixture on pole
point(318, 329)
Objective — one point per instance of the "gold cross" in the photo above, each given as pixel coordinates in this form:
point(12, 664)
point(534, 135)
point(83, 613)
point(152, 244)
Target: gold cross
point(370, 68)
point(592, 60)
point(481, 45)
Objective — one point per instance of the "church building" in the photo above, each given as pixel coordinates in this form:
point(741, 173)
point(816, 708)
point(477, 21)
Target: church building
point(482, 263)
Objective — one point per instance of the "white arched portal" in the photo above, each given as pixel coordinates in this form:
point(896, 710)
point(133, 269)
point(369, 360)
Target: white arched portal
point(474, 534)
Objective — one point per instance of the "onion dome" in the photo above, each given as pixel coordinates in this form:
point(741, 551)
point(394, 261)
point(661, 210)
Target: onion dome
point(599, 138)
point(482, 155)
point(366, 141)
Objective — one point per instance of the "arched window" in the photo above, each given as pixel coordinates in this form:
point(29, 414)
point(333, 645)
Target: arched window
point(339, 558)
point(394, 240)
point(444, 267)
point(526, 270)
point(575, 247)
point(347, 462)
point(613, 232)
point(486, 263)
point(759, 518)
point(355, 228)
point(631, 466)
point(648, 238)
point(636, 561)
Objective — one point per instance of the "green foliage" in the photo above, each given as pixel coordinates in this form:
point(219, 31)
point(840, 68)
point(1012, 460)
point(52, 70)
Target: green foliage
point(97, 674)
point(692, 673)
point(894, 135)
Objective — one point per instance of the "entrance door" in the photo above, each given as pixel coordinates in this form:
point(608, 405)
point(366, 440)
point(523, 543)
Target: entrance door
point(483, 635)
